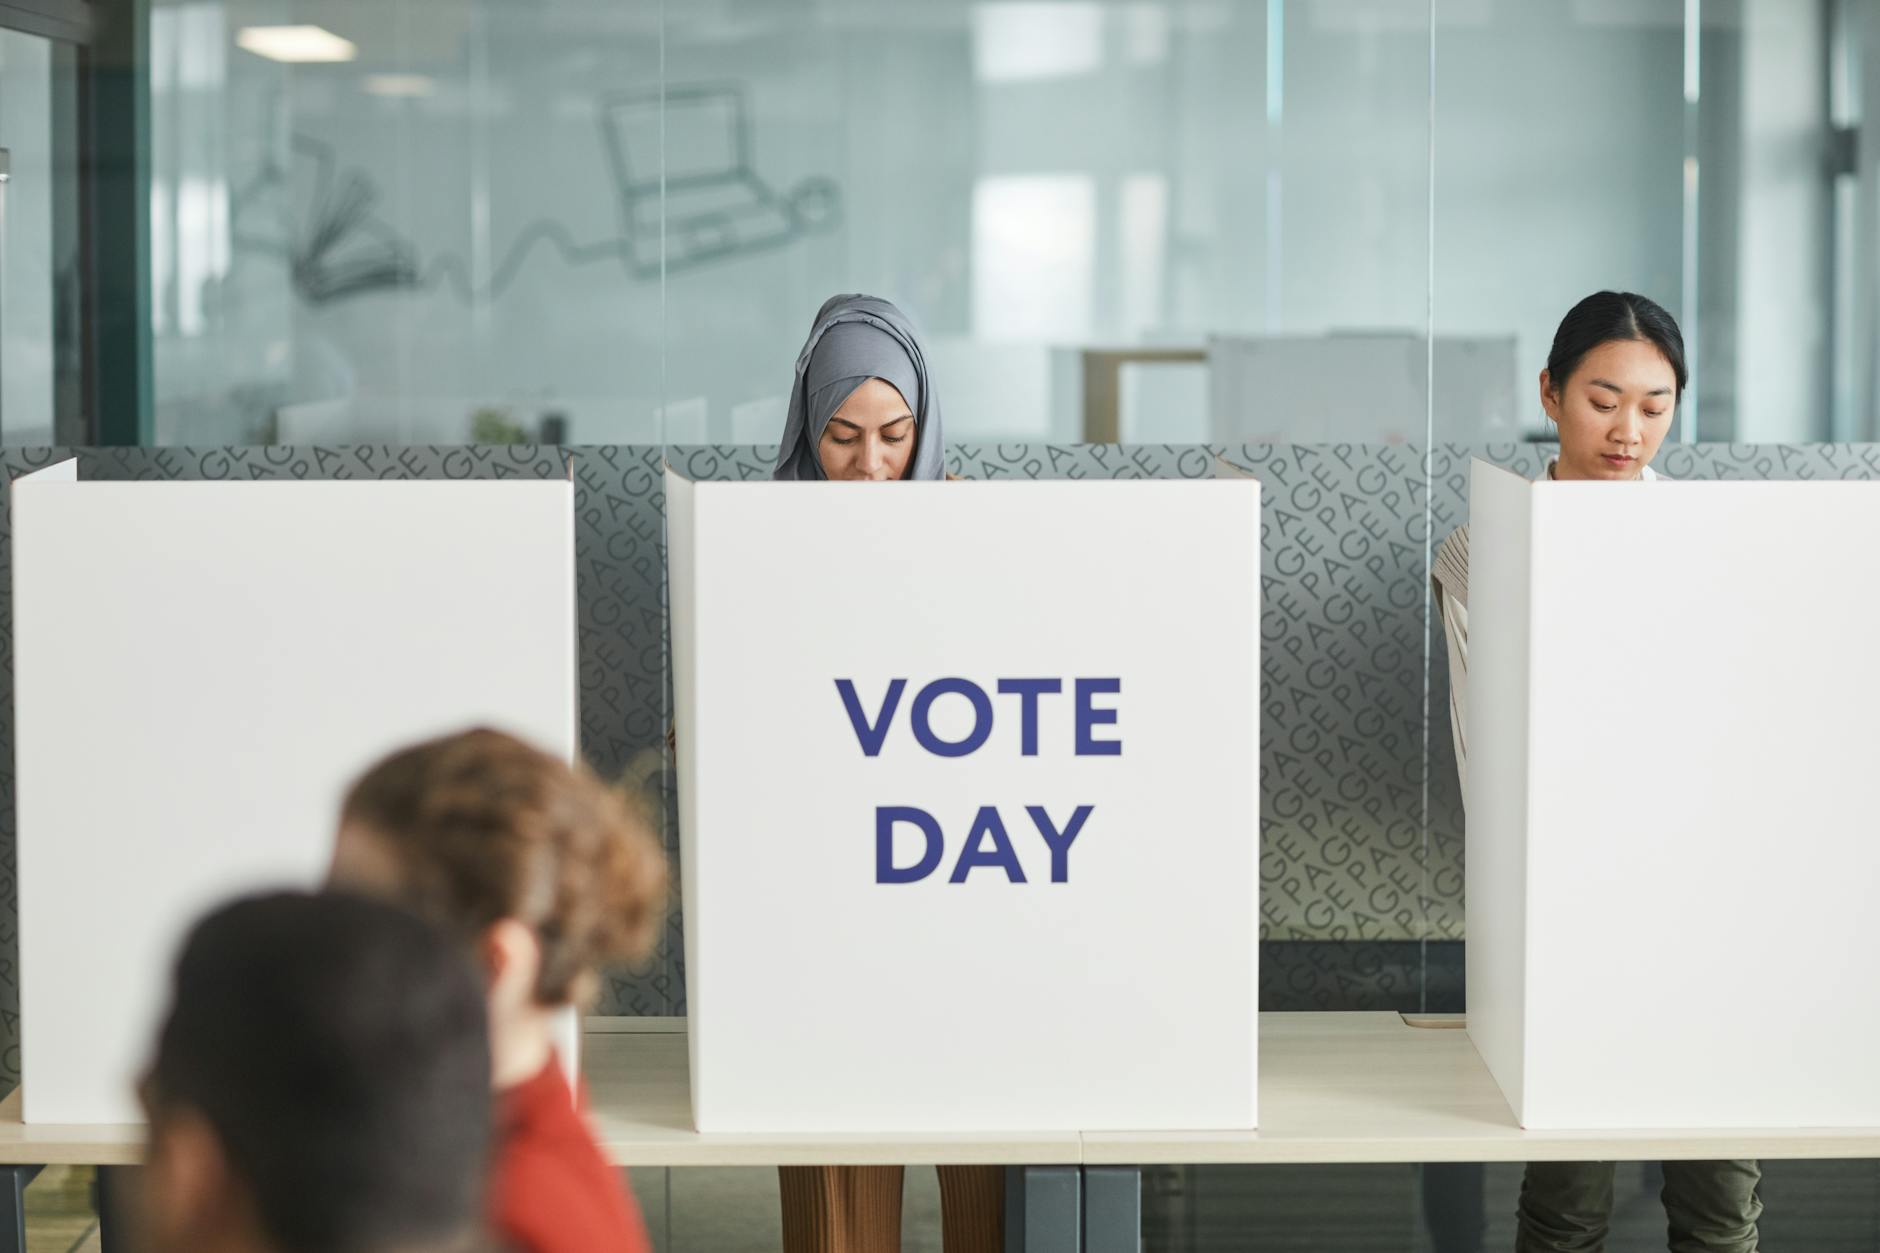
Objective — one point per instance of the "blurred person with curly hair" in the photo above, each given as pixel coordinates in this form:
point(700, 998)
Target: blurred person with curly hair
point(546, 875)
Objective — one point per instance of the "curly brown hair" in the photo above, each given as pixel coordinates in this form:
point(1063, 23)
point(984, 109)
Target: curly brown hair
point(484, 827)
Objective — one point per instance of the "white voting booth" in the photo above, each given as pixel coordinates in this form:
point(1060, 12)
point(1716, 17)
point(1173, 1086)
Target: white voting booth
point(896, 702)
point(1674, 730)
point(200, 670)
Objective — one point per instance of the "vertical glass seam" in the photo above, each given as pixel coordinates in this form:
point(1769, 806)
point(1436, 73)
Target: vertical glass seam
point(1429, 515)
point(1688, 278)
point(665, 399)
point(1275, 123)
point(668, 787)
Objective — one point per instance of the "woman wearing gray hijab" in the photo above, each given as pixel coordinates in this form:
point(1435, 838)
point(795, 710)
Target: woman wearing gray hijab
point(863, 408)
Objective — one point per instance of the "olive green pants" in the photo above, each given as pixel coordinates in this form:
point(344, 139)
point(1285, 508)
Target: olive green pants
point(1710, 1207)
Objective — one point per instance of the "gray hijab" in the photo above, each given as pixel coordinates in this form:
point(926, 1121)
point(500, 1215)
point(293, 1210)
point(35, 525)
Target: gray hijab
point(857, 338)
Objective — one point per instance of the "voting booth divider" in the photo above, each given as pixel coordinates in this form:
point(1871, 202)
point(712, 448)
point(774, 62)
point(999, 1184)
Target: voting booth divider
point(202, 667)
point(977, 762)
point(1671, 849)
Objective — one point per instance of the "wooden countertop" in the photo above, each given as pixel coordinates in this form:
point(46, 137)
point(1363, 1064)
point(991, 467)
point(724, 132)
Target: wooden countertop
point(1356, 1087)
point(1371, 1088)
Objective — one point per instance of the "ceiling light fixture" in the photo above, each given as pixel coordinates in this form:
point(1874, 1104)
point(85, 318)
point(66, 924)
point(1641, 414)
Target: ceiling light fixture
point(296, 44)
point(398, 85)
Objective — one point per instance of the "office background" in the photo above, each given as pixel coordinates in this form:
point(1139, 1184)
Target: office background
point(1361, 834)
point(618, 215)
point(1327, 240)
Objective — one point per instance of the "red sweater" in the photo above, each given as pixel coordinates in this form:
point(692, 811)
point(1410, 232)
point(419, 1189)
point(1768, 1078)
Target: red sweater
point(552, 1191)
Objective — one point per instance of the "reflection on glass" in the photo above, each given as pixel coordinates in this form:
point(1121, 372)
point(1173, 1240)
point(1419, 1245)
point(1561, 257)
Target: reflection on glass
point(1720, 170)
point(481, 222)
point(413, 224)
point(1034, 257)
point(1048, 185)
point(470, 222)
point(27, 255)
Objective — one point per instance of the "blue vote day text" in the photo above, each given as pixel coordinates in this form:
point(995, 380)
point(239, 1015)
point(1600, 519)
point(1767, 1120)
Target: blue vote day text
point(988, 841)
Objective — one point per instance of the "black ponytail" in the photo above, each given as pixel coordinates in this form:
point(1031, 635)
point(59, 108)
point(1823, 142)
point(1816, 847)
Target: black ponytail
point(1611, 315)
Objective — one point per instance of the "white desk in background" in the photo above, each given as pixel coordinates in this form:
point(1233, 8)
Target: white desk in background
point(1334, 1088)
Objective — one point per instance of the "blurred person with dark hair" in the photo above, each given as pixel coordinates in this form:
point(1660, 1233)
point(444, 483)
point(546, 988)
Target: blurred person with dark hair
point(320, 1085)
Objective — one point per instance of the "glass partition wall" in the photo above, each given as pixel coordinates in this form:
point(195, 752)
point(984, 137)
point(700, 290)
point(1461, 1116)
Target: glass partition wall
point(1326, 240)
point(1181, 221)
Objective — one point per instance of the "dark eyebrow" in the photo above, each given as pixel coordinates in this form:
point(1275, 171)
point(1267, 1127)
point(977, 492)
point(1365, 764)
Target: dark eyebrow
point(1617, 390)
point(906, 417)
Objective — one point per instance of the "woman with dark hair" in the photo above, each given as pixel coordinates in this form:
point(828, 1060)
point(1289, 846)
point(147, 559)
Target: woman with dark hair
point(1612, 383)
point(863, 409)
point(1611, 388)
